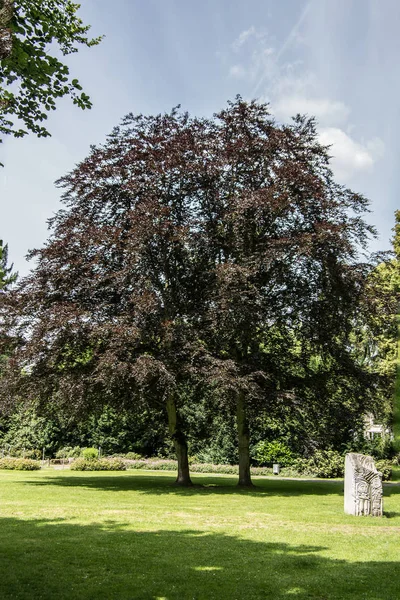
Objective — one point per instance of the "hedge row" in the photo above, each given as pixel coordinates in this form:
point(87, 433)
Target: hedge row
point(324, 465)
point(19, 464)
point(154, 464)
point(98, 464)
point(321, 466)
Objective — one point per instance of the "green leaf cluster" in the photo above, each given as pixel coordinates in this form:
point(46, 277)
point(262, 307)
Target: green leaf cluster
point(32, 78)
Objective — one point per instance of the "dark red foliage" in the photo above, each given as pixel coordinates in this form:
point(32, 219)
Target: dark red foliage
point(183, 243)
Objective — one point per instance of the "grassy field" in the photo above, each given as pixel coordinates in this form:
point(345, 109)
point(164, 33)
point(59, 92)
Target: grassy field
point(133, 535)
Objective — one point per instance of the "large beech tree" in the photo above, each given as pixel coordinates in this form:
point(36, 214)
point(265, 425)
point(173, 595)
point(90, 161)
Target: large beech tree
point(184, 246)
point(287, 241)
point(110, 313)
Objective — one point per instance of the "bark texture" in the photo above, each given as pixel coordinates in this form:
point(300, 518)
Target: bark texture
point(244, 440)
point(180, 444)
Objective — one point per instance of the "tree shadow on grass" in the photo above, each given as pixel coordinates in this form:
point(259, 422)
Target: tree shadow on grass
point(391, 488)
point(163, 483)
point(55, 559)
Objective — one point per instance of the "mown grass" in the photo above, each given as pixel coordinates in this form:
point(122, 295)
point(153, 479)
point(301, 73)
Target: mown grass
point(134, 535)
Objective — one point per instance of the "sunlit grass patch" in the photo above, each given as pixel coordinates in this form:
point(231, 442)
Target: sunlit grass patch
point(136, 535)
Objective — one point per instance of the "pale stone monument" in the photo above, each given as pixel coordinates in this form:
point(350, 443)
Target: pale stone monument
point(362, 486)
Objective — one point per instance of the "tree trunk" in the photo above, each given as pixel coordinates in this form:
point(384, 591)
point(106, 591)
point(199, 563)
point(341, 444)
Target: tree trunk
point(243, 438)
point(180, 444)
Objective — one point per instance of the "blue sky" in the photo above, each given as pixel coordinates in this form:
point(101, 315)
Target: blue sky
point(335, 60)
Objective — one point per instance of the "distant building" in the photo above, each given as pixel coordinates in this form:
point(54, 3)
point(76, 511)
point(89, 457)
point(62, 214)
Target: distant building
point(372, 429)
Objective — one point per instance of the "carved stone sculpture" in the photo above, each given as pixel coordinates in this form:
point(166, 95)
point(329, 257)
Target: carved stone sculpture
point(362, 486)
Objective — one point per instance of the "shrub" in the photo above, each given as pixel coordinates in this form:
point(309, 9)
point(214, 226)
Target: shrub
point(385, 467)
point(112, 464)
point(102, 464)
point(210, 468)
point(33, 454)
point(379, 447)
point(214, 455)
point(74, 452)
point(153, 464)
point(90, 453)
point(265, 471)
point(19, 464)
point(133, 456)
point(327, 463)
point(324, 463)
point(69, 452)
point(396, 460)
point(63, 452)
point(299, 467)
point(157, 464)
point(267, 453)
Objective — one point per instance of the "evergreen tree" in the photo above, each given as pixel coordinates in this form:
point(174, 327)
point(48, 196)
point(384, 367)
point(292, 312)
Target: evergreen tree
point(7, 277)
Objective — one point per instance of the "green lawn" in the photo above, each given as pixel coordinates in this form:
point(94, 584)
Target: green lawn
point(71, 535)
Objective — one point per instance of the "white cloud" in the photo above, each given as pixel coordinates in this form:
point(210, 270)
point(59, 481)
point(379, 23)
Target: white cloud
point(257, 57)
point(243, 37)
point(262, 62)
point(348, 156)
point(326, 111)
point(291, 88)
point(293, 38)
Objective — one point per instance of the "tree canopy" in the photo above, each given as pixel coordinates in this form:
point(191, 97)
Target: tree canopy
point(32, 78)
point(195, 252)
